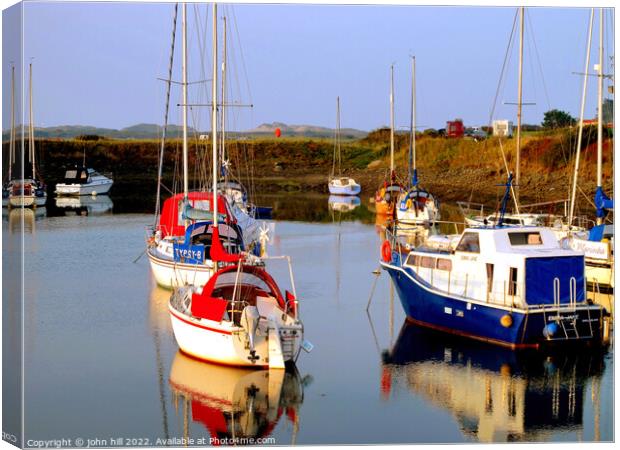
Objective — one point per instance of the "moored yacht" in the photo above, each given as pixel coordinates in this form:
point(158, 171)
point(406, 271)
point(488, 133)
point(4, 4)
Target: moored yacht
point(179, 255)
point(81, 180)
point(513, 286)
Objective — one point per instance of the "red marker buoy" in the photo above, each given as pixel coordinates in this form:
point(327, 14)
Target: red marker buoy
point(278, 132)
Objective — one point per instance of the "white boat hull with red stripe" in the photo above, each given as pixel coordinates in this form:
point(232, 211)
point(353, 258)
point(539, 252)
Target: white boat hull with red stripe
point(171, 274)
point(260, 328)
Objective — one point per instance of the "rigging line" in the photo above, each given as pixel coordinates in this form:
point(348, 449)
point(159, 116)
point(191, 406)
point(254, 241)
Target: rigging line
point(245, 72)
point(501, 75)
point(163, 137)
point(531, 71)
point(542, 75)
point(201, 39)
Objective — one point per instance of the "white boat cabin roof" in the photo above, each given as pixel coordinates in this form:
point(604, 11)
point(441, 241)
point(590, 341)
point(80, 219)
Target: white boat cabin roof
point(511, 241)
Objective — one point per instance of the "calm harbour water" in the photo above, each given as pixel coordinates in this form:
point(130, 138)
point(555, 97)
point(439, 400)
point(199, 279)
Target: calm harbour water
point(101, 361)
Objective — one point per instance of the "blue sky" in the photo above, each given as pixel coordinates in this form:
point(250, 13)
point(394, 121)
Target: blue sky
point(97, 63)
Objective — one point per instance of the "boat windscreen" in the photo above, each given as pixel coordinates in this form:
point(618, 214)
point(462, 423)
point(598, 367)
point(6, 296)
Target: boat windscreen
point(73, 176)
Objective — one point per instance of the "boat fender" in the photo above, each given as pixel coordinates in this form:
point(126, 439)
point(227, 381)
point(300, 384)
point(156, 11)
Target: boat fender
point(408, 204)
point(386, 251)
point(506, 320)
point(550, 330)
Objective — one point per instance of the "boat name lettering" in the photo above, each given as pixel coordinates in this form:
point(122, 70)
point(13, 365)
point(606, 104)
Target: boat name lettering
point(559, 317)
point(469, 258)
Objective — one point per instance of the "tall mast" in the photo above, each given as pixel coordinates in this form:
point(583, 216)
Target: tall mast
point(31, 133)
point(580, 134)
point(519, 103)
point(413, 172)
point(599, 143)
point(163, 135)
point(12, 133)
point(338, 136)
point(223, 117)
point(184, 84)
point(214, 114)
point(392, 120)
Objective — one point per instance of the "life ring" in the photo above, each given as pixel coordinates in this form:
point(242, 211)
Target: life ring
point(386, 251)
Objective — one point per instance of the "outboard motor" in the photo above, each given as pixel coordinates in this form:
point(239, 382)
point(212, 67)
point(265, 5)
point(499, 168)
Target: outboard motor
point(249, 321)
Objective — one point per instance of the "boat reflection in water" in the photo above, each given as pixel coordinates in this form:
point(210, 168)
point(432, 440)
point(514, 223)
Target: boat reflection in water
point(17, 217)
point(343, 203)
point(236, 405)
point(85, 205)
point(496, 394)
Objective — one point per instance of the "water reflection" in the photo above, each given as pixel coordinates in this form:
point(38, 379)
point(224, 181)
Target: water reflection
point(343, 203)
point(16, 217)
point(85, 205)
point(496, 395)
point(234, 403)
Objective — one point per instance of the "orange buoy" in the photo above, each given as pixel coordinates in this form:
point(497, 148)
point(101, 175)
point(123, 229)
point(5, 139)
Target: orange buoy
point(386, 251)
point(278, 132)
point(506, 320)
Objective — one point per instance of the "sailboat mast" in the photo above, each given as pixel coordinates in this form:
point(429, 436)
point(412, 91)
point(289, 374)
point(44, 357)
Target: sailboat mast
point(31, 134)
point(214, 114)
point(599, 142)
point(223, 117)
point(338, 136)
point(12, 133)
point(519, 103)
point(580, 134)
point(163, 134)
point(413, 178)
point(392, 120)
point(184, 93)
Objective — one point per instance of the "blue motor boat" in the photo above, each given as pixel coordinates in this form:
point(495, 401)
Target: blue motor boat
point(513, 286)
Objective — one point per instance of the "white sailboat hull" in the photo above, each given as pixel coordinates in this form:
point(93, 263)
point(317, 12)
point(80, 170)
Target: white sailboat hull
point(417, 216)
point(350, 187)
point(414, 213)
point(226, 343)
point(26, 201)
point(170, 274)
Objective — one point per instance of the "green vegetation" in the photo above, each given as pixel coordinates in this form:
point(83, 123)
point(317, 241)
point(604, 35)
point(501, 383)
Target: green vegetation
point(453, 168)
point(557, 119)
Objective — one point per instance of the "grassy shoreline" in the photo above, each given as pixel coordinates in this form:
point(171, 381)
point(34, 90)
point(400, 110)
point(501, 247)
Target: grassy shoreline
point(453, 169)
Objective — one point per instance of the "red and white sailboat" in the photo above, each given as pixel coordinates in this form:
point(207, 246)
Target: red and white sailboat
point(240, 317)
point(178, 245)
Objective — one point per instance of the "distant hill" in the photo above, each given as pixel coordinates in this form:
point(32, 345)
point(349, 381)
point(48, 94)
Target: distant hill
point(153, 131)
point(305, 130)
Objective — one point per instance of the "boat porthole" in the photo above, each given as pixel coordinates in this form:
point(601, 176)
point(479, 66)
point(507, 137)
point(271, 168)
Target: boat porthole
point(506, 320)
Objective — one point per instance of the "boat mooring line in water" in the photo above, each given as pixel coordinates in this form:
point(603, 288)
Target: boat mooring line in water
point(140, 255)
point(377, 274)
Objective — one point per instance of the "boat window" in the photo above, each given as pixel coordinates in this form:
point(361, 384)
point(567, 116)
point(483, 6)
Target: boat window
point(511, 221)
point(71, 174)
point(490, 268)
point(412, 260)
point(512, 287)
point(528, 238)
point(427, 262)
point(205, 205)
point(469, 243)
point(444, 264)
point(83, 175)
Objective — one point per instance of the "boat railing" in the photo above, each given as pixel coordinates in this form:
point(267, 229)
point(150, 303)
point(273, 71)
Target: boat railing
point(470, 209)
point(289, 262)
